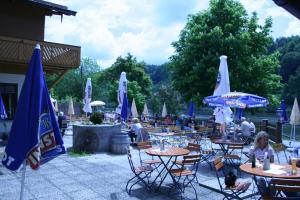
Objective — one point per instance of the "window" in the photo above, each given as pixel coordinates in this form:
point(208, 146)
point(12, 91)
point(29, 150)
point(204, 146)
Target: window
point(9, 93)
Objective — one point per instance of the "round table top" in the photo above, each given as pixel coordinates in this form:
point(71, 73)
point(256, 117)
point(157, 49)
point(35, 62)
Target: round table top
point(222, 141)
point(276, 168)
point(162, 134)
point(169, 151)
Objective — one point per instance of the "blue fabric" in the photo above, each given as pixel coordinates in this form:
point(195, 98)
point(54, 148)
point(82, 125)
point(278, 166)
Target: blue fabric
point(236, 100)
point(124, 111)
point(191, 109)
point(239, 113)
point(3, 114)
point(34, 135)
point(283, 111)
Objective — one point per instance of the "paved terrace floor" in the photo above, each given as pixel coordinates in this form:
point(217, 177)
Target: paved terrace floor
point(98, 176)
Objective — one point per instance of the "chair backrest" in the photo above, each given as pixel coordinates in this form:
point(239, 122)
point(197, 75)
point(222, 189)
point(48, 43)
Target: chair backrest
point(280, 149)
point(219, 167)
point(144, 145)
point(193, 147)
point(279, 186)
point(191, 160)
point(129, 156)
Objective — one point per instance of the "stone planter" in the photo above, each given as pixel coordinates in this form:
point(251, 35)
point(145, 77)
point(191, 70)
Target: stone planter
point(99, 138)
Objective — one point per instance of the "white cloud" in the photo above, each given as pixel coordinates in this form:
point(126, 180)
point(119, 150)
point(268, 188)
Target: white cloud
point(107, 29)
point(293, 28)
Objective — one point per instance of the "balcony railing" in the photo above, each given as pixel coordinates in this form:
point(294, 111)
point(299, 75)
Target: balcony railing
point(56, 57)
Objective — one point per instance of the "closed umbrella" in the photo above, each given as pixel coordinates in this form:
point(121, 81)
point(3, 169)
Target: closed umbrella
point(122, 89)
point(124, 110)
point(34, 137)
point(134, 112)
point(164, 111)
point(294, 119)
point(145, 110)
point(88, 96)
point(3, 114)
point(71, 107)
point(191, 109)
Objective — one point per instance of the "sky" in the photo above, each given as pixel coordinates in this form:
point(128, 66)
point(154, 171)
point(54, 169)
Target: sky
point(107, 29)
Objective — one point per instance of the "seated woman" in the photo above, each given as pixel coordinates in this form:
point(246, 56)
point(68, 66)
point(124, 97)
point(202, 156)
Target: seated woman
point(135, 129)
point(260, 147)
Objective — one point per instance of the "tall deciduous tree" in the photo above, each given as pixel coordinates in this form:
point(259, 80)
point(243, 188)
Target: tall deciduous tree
point(139, 83)
point(224, 29)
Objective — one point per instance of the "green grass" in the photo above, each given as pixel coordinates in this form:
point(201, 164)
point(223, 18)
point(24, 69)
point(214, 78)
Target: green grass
point(78, 153)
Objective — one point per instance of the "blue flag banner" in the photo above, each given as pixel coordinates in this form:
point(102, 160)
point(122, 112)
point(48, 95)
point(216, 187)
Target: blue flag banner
point(34, 135)
point(283, 116)
point(124, 111)
point(3, 114)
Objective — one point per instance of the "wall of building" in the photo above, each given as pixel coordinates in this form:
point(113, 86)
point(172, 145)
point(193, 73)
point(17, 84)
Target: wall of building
point(20, 20)
point(13, 78)
point(10, 78)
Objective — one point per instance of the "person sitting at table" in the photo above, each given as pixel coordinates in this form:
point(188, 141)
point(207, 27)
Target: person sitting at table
point(168, 120)
point(252, 127)
point(244, 130)
point(135, 130)
point(260, 147)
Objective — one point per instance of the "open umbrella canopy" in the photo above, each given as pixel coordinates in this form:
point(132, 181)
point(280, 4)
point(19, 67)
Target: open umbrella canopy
point(97, 103)
point(236, 100)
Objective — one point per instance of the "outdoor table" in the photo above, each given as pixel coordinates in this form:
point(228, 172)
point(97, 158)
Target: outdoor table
point(162, 134)
point(276, 171)
point(223, 143)
point(170, 153)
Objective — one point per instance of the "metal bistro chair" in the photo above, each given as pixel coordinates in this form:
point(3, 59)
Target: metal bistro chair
point(141, 174)
point(234, 155)
point(141, 146)
point(285, 189)
point(229, 192)
point(185, 175)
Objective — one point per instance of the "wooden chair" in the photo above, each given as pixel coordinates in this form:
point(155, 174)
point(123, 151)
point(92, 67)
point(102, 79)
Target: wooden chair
point(141, 174)
point(184, 176)
point(288, 189)
point(234, 154)
point(233, 192)
point(142, 146)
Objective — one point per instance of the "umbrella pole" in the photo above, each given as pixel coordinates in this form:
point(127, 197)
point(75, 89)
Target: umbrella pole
point(23, 179)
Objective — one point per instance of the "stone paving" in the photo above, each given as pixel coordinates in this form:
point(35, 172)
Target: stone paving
point(98, 176)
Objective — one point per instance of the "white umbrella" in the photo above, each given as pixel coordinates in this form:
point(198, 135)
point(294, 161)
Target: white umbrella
point(164, 111)
point(71, 107)
point(223, 87)
point(145, 111)
point(121, 90)
point(134, 112)
point(54, 104)
point(88, 96)
point(97, 103)
point(294, 119)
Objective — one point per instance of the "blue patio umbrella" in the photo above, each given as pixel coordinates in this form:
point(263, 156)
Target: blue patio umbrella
point(3, 114)
point(236, 100)
point(191, 109)
point(283, 115)
point(34, 136)
point(124, 111)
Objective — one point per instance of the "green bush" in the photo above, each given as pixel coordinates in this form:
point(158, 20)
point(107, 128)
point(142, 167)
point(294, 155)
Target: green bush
point(97, 118)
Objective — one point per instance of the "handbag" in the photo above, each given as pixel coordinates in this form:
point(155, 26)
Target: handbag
point(230, 179)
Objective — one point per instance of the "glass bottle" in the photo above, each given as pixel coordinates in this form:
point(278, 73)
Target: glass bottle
point(253, 161)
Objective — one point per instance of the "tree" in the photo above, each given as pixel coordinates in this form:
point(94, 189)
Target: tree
point(74, 81)
point(224, 29)
point(292, 89)
point(139, 83)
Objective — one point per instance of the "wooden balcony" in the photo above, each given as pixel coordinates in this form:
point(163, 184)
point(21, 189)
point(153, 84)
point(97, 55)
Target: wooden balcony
point(15, 55)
